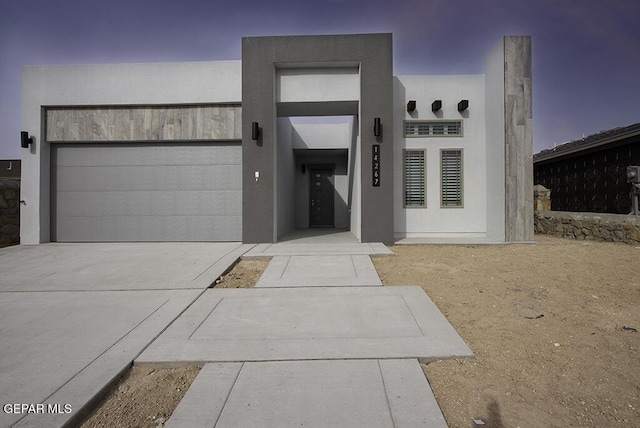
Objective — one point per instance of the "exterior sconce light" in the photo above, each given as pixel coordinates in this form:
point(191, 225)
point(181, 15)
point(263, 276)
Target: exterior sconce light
point(376, 126)
point(25, 140)
point(436, 105)
point(463, 105)
point(255, 131)
point(411, 106)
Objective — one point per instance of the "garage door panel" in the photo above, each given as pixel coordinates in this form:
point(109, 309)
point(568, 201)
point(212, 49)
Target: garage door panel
point(148, 203)
point(147, 154)
point(126, 178)
point(110, 192)
point(180, 228)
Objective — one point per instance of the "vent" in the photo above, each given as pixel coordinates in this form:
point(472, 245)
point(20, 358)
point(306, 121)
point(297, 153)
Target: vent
point(432, 128)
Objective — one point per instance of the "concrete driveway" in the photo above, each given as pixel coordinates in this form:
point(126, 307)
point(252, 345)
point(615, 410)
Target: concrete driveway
point(74, 316)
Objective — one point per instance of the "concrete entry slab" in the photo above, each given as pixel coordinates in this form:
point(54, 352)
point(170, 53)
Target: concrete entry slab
point(319, 271)
point(319, 236)
point(338, 393)
point(299, 249)
point(273, 324)
point(115, 266)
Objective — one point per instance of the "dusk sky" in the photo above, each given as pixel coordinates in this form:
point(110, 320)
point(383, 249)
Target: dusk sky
point(586, 53)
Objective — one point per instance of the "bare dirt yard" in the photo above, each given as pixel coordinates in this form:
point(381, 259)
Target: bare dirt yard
point(553, 326)
point(145, 397)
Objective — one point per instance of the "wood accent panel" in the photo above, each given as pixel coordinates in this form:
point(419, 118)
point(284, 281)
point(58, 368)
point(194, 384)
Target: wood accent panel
point(144, 123)
point(518, 139)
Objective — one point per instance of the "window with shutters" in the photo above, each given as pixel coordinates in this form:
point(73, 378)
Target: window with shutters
point(451, 178)
point(414, 174)
point(439, 128)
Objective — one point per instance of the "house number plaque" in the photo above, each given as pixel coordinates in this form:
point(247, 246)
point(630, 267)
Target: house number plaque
point(376, 165)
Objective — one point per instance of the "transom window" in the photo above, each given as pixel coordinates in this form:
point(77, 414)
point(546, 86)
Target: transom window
point(414, 173)
point(414, 128)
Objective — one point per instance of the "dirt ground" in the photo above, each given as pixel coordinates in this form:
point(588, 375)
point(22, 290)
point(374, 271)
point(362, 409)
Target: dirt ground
point(243, 275)
point(549, 324)
point(552, 326)
point(144, 397)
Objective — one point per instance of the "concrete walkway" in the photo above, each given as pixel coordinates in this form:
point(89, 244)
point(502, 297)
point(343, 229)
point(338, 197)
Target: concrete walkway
point(338, 393)
point(320, 271)
point(339, 351)
point(318, 343)
point(276, 324)
point(74, 316)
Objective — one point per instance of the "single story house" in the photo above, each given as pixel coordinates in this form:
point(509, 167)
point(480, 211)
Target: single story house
point(590, 174)
point(207, 151)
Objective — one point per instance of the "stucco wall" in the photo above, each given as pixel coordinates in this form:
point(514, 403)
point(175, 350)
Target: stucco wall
point(495, 150)
point(314, 84)
point(322, 135)
point(106, 84)
point(434, 220)
point(355, 198)
point(286, 178)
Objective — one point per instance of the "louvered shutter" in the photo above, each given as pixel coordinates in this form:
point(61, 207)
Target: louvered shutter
point(414, 189)
point(451, 171)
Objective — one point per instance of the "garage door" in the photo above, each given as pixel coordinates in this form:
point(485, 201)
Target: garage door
point(160, 192)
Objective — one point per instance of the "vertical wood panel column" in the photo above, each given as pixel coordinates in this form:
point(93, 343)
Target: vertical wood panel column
point(518, 139)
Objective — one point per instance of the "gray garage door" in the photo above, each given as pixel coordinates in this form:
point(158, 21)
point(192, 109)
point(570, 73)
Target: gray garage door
point(160, 192)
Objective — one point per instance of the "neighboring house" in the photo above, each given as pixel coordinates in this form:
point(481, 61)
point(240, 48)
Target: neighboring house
point(590, 174)
point(206, 151)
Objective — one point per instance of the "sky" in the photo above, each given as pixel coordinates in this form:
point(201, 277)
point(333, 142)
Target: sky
point(586, 53)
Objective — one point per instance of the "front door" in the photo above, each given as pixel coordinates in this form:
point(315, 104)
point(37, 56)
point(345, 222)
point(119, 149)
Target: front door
point(321, 198)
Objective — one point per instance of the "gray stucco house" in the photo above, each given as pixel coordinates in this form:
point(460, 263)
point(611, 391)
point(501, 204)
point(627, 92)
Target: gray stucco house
point(206, 151)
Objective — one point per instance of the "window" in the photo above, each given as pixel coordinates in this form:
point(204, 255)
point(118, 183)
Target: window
point(432, 128)
point(451, 177)
point(414, 168)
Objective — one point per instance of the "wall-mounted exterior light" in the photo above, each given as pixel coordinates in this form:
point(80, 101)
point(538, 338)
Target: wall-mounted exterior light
point(436, 105)
point(377, 126)
point(463, 105)
point(255, 131)
point(411, 106)
point(25, 140)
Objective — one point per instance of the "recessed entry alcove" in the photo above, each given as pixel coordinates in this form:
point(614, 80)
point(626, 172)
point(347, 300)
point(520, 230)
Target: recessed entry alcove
point(316, 163)
point(313, 98)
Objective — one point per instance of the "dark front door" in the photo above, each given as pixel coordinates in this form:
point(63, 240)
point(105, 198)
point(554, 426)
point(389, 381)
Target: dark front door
point(321, 198)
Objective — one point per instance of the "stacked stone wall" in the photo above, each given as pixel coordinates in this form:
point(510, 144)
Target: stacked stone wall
point(589, 226)
point(9, 211)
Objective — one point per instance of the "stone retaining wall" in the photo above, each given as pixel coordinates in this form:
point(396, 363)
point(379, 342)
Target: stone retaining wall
point(9, 211)
point(589, 226)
